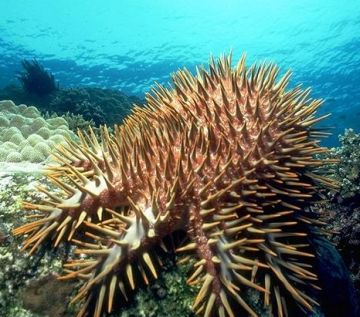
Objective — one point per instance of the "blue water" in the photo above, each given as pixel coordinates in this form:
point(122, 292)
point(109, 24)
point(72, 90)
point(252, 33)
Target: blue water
point(128, 45)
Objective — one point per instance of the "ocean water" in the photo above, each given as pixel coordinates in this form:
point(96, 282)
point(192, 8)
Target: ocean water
point(127, 45)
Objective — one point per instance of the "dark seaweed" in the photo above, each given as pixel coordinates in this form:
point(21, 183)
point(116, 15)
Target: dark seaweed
point(35, 79)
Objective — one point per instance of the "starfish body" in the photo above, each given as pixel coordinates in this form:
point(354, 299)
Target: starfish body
point(227, 158)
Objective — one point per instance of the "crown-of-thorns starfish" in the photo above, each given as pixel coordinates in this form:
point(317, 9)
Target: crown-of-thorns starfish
point(225, 156)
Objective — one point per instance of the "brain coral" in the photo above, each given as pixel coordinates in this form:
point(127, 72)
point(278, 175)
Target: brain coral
point(225, 159)
point(26, 136)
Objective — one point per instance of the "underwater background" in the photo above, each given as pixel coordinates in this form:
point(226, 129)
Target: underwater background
point(128, 45)
point(67, 65)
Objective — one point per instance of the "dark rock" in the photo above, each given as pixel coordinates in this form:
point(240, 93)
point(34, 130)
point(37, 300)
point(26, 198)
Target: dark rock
point(338, 296)
point(2, 236)
point(47, 296)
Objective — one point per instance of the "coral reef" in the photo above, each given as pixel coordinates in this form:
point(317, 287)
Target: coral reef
point(78, 101)
point(35, 79)
point(26, 136)
point(103, 106)
point(169, 293)
point(347, 172)
point(221, 167)
point(343, 206)
point(19, 96)
point(75, 121)
point(17, 270)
